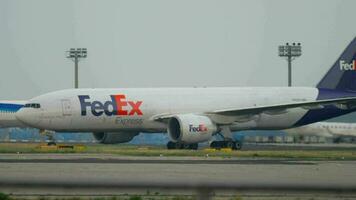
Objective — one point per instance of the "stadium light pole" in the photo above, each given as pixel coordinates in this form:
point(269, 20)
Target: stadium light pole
point(290, 52)
point(76, 54)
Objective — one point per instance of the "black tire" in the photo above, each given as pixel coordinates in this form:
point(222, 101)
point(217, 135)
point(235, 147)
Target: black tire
point(217, 145)
point(171, 145)
point(238, 145)
point(51, 144)
point(186, 146)
point(194, 146)
point(213, 144)
point(226, 144)
point(230, 144)
point(179, 145)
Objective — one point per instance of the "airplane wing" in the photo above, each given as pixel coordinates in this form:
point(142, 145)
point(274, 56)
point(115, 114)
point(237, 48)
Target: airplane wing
point(245, 114)
point(341, 103)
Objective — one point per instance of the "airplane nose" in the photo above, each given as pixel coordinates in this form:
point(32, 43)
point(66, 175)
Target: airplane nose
point(27, 116)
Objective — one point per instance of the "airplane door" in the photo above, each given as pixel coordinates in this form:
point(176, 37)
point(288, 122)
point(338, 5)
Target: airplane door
point(66, 107)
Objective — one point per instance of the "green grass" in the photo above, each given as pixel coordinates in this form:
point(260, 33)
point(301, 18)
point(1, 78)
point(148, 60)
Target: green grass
point(134, 150)
point(4, 196)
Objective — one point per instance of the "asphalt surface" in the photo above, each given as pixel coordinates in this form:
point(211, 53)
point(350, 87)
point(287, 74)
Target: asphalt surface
point(76, 169)
point(26, 175)
point(298, 146)
point(41, 159)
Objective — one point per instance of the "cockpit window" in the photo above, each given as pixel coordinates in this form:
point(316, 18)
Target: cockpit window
point(32, 105)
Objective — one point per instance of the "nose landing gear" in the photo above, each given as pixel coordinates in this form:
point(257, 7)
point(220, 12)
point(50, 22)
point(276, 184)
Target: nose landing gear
point(50, 136)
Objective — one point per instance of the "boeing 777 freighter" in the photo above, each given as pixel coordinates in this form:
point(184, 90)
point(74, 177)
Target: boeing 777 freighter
point(194, 115)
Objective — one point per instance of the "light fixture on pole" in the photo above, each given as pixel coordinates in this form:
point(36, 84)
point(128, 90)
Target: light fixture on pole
point(290, 52)
point(76, 54)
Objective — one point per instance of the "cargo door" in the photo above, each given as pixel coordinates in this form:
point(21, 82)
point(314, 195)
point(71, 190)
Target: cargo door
point(66, 107)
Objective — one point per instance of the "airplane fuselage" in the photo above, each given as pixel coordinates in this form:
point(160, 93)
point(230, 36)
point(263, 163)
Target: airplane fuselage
point(134, 109)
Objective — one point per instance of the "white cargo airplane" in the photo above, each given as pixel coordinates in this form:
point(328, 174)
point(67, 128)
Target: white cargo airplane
point(325, 129)
point(193, 115)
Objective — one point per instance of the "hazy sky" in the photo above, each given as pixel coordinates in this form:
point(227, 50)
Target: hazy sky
point(164, 43)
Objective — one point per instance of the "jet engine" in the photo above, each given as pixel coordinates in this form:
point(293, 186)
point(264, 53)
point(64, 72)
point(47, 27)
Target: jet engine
point(190, 128)
point(114, 137)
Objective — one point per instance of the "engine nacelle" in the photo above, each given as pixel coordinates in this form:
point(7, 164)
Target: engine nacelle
point(114, 138)
point(190, 128)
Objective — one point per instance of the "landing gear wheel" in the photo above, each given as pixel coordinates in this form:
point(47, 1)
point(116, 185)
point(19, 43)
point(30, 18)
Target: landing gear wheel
point(226, 144)
point(217, 144)
point(177, 145)
point(230, 144)
point(186, 146)
point(213, 144)
point(51, 143)
point(50, 136)
point(237, 145)
point(194, 146)
point(171, 145)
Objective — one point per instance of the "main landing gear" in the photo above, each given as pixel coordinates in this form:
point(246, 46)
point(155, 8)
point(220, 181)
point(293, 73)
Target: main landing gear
point(234, 145)
point(177, 145)
point(50, 136)
point(228, 141)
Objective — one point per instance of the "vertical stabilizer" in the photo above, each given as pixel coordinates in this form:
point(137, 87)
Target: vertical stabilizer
point(342, 75)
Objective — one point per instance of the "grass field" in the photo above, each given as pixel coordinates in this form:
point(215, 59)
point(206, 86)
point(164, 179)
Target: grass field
point(133, 150)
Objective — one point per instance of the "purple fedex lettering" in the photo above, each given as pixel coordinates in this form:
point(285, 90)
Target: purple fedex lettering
point(117, 106)
point(84, 104)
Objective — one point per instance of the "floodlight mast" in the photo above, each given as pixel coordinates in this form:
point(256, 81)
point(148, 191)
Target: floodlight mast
point(75, 54)
point(290, 52)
